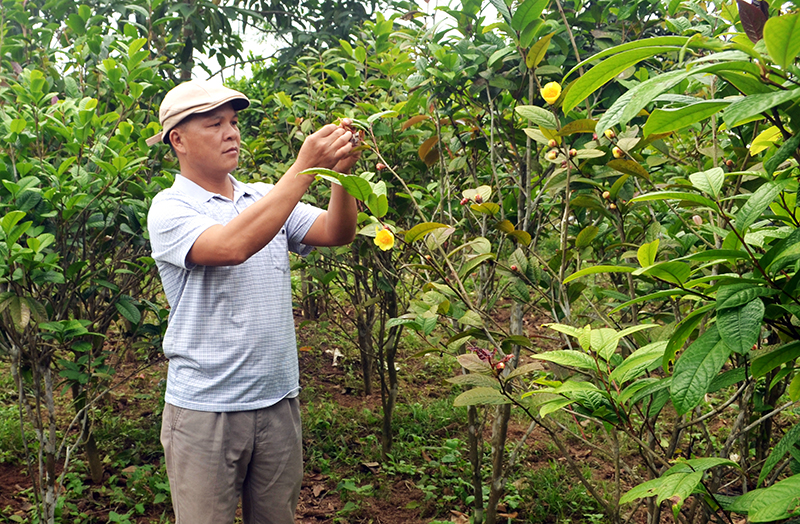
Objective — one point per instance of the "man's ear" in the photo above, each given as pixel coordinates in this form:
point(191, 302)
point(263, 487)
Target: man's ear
point(176, 140)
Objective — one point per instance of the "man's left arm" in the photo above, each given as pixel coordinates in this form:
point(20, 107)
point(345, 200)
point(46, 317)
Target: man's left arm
point(337, 225)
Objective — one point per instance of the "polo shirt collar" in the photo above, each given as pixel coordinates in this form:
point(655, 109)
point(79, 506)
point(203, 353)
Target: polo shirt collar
point(195, 191)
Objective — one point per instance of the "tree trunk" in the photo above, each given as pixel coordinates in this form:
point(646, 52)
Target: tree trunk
point(475, 455)
point(498, 485)
point(364, 324)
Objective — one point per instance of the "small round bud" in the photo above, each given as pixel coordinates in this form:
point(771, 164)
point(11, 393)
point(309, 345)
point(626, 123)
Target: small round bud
point(609, 134)
point(564, 164)
point(478, 199)
point(729, 163)
point(612, 206)
point(698, 220)
point(617, 152)
point(595, 137)
point(552, 154)
point(606, 194)
point(427, 257)
point(573, 153)
point(464, 201)
point(380, 166)
point(500, 365)
point(552, 143)
point(513, 267)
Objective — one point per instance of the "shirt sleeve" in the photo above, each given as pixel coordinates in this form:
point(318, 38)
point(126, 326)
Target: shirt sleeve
point(174, 226)
point(299, 222)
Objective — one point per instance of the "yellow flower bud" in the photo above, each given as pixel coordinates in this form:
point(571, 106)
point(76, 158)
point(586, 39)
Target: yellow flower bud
point(384, 239)
point(550, 92)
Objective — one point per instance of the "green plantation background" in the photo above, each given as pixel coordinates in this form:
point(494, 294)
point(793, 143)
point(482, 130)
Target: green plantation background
point(590, 309)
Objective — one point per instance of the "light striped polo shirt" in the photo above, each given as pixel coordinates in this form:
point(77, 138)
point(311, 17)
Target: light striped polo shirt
point(230, 341)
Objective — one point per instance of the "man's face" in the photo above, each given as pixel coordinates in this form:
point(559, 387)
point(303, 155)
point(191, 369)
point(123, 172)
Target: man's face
point(209, 142)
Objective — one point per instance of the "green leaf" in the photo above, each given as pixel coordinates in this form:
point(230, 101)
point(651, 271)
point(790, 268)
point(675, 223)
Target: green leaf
point(585, 237)
point(786, 150)
point(629, 167)
point(481, 396)
point(127, 308)
point(782, 37)
point(598, 269)
point(653, 386)
point(553, 406)
point(673, 272)
point(382, 114)
point(735, 295)
point(700, 464)
point(378, 204)
point(666, 120)
point(502, 8)
point(758, 202)
point(786, 443)
point(647, 253)
point(765, 363)
point(751, 105)
point(569, 358)
point(794, 390)
point(678, 41)
point(473, 263)
point(567, 329)
point(356, 186)
point(584, 125)
point(538, 115)
point(709, 182)
point(675, 195)
point(638, 362)
point(605, 71)
point(634, 100)
point(696, 368)
point(17, 125)
point(777, 502)
point(420, 230)
point(677, 487)
point(727, 379)
point(527, 13)
point(537, 51)
point(740, 327)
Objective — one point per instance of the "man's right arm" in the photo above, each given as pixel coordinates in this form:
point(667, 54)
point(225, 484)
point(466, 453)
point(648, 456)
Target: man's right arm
point(248, 233)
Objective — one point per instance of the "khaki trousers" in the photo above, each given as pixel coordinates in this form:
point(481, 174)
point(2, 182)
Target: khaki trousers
point(215, 458)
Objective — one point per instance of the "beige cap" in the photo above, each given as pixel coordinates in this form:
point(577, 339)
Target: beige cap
point(189, 98)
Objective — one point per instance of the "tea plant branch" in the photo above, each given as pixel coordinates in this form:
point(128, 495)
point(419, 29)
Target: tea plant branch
point(740, 419)
point(512, 457)
point(717, 410)
point(767, 416)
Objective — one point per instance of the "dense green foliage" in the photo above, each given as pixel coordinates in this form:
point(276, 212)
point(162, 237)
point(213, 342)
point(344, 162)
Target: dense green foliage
point(629, 172)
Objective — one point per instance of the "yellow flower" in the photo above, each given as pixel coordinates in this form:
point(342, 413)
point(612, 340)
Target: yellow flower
point(384, 239)
point(550, 92)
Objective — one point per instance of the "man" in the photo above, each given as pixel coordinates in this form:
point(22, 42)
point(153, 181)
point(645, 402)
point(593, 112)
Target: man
point(231, 422)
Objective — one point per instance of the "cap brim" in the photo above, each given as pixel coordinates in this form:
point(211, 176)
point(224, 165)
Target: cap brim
point(155, 139)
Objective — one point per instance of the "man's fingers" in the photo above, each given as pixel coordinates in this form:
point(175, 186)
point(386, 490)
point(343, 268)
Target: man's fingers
point(327, 130)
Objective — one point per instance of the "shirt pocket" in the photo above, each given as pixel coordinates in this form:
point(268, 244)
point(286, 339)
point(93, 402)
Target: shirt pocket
point(279, 251)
